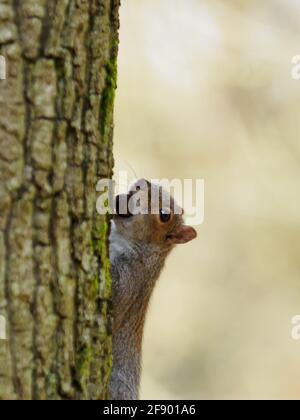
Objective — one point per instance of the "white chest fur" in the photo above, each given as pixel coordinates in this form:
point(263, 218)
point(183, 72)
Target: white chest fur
point(118, 244)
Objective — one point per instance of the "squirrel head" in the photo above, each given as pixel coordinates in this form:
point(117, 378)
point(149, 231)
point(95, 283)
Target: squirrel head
point(148, 214)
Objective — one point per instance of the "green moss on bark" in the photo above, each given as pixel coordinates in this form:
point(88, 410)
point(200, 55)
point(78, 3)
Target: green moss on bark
point(83, 363)
point(58, 122)
point(108, 98)
point(102, 280)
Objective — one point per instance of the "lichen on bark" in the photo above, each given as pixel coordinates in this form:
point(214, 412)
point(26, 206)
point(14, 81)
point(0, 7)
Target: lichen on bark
point(56, 128)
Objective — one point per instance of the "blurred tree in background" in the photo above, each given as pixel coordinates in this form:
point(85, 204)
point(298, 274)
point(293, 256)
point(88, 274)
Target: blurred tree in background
point(56, 124)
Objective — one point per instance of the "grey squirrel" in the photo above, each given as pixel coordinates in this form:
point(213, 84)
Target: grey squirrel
point(139, 245)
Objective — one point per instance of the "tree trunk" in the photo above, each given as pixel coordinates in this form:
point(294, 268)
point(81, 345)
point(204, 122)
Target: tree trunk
point(56, 126)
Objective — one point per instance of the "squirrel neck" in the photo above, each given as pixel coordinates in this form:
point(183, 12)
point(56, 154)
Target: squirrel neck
point(135, 269)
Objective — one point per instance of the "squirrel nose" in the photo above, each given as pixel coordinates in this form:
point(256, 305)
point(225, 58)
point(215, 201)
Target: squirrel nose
point(122, 205)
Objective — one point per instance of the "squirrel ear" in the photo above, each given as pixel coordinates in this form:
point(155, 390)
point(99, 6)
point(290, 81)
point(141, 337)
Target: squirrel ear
point(183, 235)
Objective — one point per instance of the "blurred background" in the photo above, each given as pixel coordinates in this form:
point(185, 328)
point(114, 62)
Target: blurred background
point(205, 91)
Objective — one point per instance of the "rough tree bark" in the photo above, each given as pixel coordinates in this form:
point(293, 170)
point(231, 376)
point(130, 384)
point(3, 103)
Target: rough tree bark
point(56, 112)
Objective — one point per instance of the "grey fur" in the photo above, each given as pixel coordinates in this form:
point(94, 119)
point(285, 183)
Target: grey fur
point(139, 246)
point(135, 270)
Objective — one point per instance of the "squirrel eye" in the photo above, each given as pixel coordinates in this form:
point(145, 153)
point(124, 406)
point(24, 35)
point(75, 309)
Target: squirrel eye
point(164, 216)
